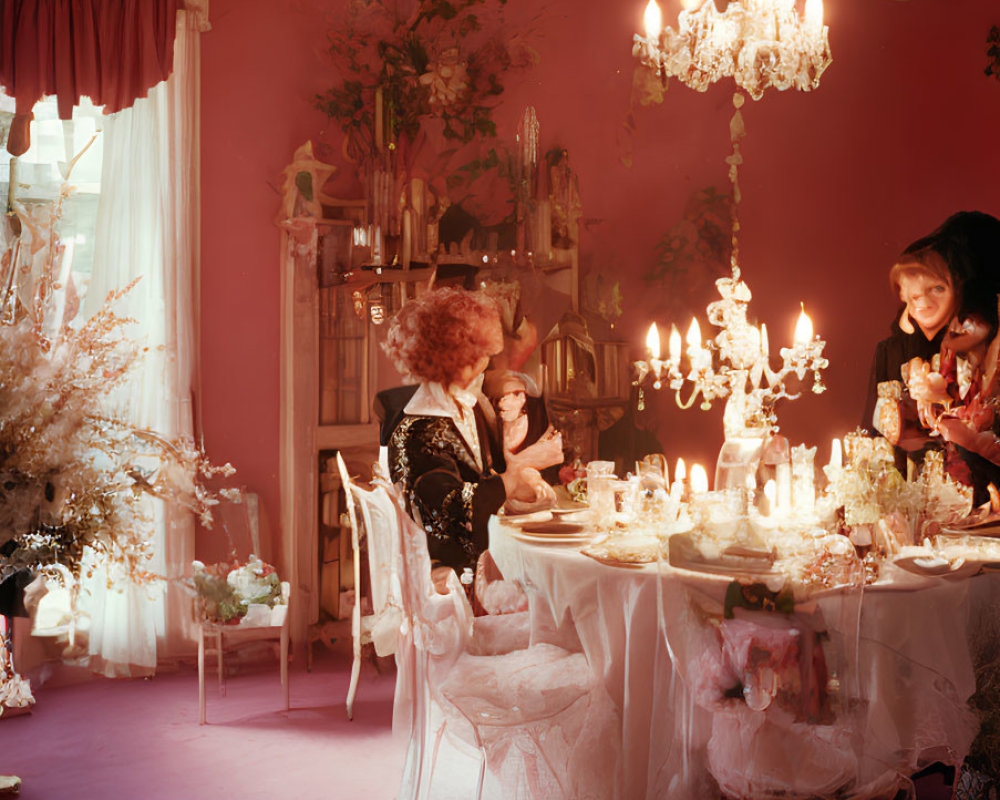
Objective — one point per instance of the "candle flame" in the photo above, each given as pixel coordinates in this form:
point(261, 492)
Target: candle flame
point(681, 472)
point(653, 341)
point(652, 19)
point(694, 335)
point(814, 16)
point(675, 345)
point(699, 479)
point(803, 328)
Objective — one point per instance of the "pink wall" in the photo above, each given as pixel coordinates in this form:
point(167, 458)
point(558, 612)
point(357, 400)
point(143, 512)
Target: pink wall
point(836, 182)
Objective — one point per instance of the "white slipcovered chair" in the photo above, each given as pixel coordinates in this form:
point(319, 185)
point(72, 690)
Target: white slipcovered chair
point(373, 511)
point(542, 724)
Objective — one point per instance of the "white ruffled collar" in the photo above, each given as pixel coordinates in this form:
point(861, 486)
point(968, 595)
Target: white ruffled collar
point(433, 400)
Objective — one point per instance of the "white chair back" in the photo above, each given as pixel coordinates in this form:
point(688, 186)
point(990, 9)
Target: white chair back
point(423, 605)
point(380, 520)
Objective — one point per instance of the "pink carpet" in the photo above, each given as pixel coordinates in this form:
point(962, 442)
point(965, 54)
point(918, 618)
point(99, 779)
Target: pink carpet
point(140, 739)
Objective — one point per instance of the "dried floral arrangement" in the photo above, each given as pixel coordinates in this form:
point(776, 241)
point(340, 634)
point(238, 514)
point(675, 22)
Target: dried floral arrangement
point(72, 474)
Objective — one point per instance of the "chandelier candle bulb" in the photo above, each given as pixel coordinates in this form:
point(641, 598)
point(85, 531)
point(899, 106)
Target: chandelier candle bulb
point(677, 487)
point(835, 468)
point(653, 345)
point(699, 480)
point(674, 345)
point(700, 358)
point(814, 19)
point(803, 328)
point(652, 21)
point(648, 47)
point(770, 498)
point(653, 341)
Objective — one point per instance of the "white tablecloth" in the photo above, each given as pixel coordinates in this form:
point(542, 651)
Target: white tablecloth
point(899, 651)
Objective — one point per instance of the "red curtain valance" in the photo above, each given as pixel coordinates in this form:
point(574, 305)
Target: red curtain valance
point(113, 51)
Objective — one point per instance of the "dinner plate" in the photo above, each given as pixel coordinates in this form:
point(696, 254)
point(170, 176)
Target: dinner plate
point(581, 515)
point(531, 518)
point(937, 567)
point(630, 552)
point(570, 508)
point(553, 528)
point(551, 538)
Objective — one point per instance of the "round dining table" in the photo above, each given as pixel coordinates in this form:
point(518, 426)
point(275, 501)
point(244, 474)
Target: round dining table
point(898, 653)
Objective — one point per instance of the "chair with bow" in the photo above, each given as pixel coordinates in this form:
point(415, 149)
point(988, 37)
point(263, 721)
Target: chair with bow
point(537, 716)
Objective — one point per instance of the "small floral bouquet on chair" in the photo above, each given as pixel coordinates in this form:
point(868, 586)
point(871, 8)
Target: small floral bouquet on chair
point(245, 594)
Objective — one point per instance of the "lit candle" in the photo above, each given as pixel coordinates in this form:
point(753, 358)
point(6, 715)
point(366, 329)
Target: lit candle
point(698, 355)
point(653, 338)
point(834, 469)
point(652, 20)
point(677, 487)
point(803, 328)
point(836, 454)
point(770, 494)
point(814, 18)
point(675, 346)
point(653, 345)
point(699, 479)
point(764, 351)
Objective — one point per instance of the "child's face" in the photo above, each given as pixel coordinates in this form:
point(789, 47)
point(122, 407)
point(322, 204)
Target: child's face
point(930, 301)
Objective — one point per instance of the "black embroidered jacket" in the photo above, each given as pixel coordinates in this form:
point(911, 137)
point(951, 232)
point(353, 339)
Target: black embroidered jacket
point(445, 490)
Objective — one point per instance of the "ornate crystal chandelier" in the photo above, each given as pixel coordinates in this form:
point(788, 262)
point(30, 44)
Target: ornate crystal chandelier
point(759, 43)
point(742, 372)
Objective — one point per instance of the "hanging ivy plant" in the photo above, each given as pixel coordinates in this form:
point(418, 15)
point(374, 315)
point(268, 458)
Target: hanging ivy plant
point(993, 53)
point(428, 60)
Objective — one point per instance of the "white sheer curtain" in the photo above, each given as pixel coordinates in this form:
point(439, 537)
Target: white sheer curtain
point(148, 228)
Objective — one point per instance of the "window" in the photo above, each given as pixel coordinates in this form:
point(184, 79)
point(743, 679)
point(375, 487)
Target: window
point(39, 175)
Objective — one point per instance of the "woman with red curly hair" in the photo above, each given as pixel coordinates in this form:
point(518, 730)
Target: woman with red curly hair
point(445, 451)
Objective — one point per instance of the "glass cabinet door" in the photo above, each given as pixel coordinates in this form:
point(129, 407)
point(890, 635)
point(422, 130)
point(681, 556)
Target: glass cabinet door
point(343, 359)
